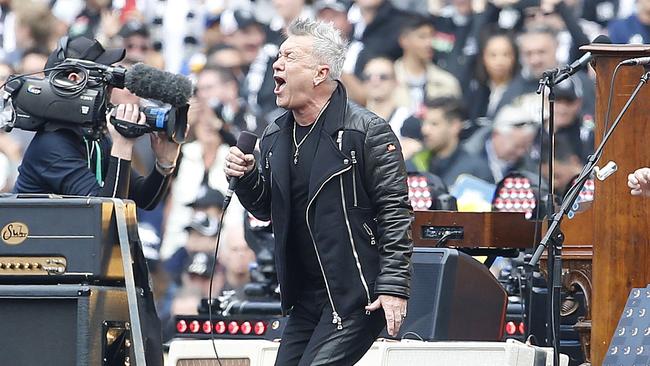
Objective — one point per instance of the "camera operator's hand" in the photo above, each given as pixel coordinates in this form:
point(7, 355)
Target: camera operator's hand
point(123, 147)
point(238, 163)
point(166, 152)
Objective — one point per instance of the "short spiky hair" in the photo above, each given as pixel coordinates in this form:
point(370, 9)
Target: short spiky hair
point(329, 46)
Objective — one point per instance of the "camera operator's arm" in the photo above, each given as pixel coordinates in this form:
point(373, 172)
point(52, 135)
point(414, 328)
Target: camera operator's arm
point(148, 191)
point(118, 176)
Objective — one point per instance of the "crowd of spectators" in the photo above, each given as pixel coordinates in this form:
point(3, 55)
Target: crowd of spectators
point(456, 80)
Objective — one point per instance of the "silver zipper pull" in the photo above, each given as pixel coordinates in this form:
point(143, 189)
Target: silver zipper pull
point(267, 159)
point(369, 231)
point(336, 319)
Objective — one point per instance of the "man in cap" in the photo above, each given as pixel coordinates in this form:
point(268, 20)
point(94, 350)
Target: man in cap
point(68, 160)
point(570, 121)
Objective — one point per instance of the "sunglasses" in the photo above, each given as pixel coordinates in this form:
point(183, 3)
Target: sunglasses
point(534, 13)
point(382, 77)
point(141, 47)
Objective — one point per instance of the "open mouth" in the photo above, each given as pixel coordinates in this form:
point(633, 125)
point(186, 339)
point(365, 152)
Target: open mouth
point(279, 84)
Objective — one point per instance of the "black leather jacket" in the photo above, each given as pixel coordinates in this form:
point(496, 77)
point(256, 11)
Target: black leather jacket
point(358, 210)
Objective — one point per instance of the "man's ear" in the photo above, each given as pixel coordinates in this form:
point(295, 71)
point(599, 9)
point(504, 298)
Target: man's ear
point(322, 73)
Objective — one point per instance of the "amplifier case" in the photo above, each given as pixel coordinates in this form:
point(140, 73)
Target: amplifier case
point(81, 229)
point(61, 324)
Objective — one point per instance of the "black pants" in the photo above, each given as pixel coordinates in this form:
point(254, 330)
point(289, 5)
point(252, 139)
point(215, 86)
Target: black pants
point(310, 337)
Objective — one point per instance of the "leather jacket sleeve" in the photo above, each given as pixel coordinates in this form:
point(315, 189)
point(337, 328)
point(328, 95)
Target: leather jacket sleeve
point(254, 193)
point(386, 174)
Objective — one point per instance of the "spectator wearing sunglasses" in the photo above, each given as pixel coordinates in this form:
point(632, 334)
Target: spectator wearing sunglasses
point(379, 83)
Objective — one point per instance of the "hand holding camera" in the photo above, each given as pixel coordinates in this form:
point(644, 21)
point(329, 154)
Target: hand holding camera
point(123, 146)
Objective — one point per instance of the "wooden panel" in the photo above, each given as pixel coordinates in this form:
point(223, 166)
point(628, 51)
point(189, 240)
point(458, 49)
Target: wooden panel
point(481, 229)
point(621, 245)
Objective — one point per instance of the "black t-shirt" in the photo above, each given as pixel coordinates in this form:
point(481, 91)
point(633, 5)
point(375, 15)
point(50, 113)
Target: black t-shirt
point(301, 245)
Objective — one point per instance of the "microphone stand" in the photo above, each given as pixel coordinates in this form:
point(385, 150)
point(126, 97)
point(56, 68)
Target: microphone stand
point(554, 235)
point(554, 262)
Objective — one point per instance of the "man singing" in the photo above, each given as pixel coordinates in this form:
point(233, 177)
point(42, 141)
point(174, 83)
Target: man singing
point(333, 181)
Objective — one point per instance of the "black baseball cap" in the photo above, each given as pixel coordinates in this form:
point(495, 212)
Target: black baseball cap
point(569, 89)
point(234, 20)
point(207, 197)
point(84, 49)
point(134, 27)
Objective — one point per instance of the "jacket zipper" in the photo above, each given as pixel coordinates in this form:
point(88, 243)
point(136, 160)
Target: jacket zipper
point(347, 222)
point(369, 231)
point(354, 175)
point(336, 319)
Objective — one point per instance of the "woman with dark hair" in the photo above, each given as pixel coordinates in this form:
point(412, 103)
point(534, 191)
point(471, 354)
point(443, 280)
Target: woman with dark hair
point(496, 65)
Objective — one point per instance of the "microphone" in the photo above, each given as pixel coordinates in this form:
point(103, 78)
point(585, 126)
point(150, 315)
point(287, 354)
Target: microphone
point(245, 143)
point(580, 63)
point(636, 61)
point(151, 83)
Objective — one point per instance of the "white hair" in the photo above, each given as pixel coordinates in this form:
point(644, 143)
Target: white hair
point(329, 46)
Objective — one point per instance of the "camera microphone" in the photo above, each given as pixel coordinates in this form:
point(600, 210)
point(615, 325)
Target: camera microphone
point(245, 143)
point(151, 83)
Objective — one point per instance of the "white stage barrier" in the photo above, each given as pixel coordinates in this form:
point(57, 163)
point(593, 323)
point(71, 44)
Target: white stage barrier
point(189, 352)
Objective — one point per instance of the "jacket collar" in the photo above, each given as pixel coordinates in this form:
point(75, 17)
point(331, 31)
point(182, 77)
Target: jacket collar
point(328, 155)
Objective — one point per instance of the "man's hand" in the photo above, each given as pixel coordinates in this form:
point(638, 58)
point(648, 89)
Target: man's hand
point(166, 151)
point(394, 310)
point(238, 163)
point(639, 182)
point(123, 147)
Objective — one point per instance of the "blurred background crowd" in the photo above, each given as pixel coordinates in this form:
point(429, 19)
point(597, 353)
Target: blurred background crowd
point(456, 80)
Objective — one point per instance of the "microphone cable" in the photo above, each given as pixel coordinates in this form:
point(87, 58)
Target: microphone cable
point(210, 300)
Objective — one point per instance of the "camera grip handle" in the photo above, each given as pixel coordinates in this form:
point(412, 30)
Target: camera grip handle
point(129, 129)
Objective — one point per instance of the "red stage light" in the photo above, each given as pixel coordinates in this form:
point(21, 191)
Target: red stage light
point(220, 327)
point(233, 327)
point(181, 326)
point(195, 326)
point(260, 328)
point(246, 327)
point(511, 328)
point(207, 327)
point(521, 328)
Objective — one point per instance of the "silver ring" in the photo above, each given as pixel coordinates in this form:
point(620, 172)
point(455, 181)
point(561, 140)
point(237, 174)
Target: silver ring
point(403, 316)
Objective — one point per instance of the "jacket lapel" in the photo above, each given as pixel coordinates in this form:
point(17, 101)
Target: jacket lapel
point(329, 159)
point(279, 160)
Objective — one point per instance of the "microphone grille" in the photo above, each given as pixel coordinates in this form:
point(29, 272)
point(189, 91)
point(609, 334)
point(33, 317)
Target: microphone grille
point(246, 142)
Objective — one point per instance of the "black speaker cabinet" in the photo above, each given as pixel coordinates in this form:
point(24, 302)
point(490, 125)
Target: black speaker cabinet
point(72, 325)
point(453, 298)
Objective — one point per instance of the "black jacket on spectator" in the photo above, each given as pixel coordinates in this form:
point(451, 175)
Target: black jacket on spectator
point(358, 206)
point(380, 38)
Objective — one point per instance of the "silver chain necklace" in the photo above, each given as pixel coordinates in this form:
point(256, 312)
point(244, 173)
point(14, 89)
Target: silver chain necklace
point(297, 144)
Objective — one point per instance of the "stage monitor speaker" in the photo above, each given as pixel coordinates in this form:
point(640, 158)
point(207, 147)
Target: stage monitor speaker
point(73, 325)
point(453, 298)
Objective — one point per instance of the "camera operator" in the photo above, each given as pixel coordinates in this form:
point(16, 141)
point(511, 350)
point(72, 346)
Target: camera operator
point(61, 160)
point(67, 159)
